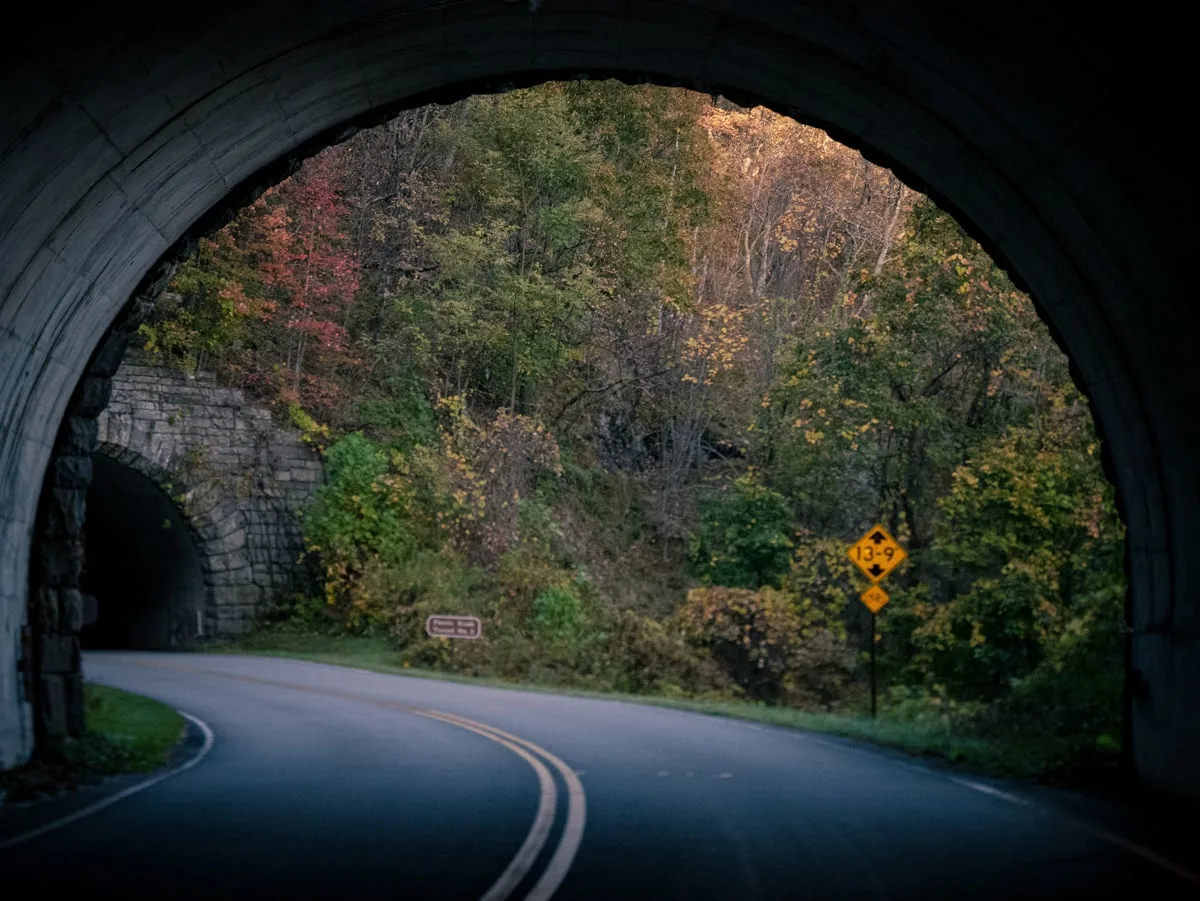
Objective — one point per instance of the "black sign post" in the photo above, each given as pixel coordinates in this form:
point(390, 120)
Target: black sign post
point(873, 640)
point(877, 553)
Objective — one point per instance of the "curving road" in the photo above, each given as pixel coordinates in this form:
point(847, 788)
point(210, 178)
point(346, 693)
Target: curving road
point(334, 783)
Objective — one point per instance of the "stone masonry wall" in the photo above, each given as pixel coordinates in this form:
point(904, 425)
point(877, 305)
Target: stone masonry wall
point(239, 481)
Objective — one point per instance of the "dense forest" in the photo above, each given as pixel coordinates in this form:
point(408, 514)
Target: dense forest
point(622, 370)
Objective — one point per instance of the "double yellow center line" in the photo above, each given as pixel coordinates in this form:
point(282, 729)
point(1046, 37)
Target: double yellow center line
point(536, 756)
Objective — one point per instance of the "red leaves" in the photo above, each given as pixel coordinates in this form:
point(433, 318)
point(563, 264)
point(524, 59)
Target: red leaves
point(311, 255)
point(294, 238)
point(328, 334)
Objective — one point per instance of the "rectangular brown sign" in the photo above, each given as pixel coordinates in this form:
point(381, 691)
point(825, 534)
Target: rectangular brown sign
point(454, 627)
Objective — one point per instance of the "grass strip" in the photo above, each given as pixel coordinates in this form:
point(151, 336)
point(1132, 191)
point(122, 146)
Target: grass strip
point(126, 733)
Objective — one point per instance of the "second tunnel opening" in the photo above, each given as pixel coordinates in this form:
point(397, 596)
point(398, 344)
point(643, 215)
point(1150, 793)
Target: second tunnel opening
point(141, 564)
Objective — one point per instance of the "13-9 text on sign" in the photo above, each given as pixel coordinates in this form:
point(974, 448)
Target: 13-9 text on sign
point(877, 553)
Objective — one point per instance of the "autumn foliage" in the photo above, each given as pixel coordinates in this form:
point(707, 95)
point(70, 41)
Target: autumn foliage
point(775, 647)
point(622, 370)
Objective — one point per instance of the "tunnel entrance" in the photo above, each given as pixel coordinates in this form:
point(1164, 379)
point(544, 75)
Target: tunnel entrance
point(1028, 154)
point(141, 564)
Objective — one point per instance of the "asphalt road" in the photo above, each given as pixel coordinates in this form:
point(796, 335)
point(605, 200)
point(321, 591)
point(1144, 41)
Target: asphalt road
point(324, 782)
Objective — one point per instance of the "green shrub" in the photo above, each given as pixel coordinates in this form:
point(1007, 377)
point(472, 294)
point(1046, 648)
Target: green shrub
point(312, 432)
point(743, 540)
point(524, 573)
point(404, 420)
point(556, 613)
point(361, 518)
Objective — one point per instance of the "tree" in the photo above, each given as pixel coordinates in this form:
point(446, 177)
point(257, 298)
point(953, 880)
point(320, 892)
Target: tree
point(1031, 544)
point(310, 266)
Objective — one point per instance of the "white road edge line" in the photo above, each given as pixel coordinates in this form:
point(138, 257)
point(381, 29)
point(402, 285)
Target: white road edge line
point(568, 844)
point(119, 796)
point(1143, 852)
point(539, 832)
point(988, 790)
point(1125, 844)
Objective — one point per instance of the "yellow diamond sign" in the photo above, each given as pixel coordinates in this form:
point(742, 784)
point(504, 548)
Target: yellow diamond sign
point(875, 598)
point(877, 553)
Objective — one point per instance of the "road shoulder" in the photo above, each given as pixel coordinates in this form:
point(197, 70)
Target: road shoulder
point(17, 819)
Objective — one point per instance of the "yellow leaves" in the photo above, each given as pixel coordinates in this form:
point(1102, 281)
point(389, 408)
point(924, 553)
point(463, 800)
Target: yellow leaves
point(813, 436)
point(977, 637)
point(967, 477)
point(994, 381)
point(718, 343)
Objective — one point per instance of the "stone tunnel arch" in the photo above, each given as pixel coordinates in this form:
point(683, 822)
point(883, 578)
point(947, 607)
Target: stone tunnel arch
point(204, 502)
point(119, 144)
point(146, 571)
point(236, 482)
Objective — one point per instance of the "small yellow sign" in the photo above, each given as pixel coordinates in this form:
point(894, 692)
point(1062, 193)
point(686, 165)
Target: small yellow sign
point(877, 553)
point(875, 598)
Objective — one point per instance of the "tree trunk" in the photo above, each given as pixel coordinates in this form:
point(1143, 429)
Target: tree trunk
point(889, 232)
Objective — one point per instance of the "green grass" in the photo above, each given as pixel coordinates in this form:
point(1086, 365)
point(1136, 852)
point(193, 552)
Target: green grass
point(928, 737)
point(126, 733)
point(141, 732)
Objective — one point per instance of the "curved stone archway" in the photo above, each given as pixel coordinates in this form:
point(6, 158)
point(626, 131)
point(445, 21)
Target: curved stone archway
point(238, 482)
point(191, 522)
point(119, 142)
point(155, 449)
point(196, 500)
point(146, 573)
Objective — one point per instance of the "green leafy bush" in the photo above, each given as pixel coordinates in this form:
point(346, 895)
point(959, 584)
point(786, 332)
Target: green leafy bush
point(312, 433)
point(1032, 540)
point(743, 540)
point(557, 613)
point(361, 518)
point(404, 419)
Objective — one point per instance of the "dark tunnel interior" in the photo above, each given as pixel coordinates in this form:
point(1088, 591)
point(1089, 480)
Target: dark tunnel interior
point(140, 563)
